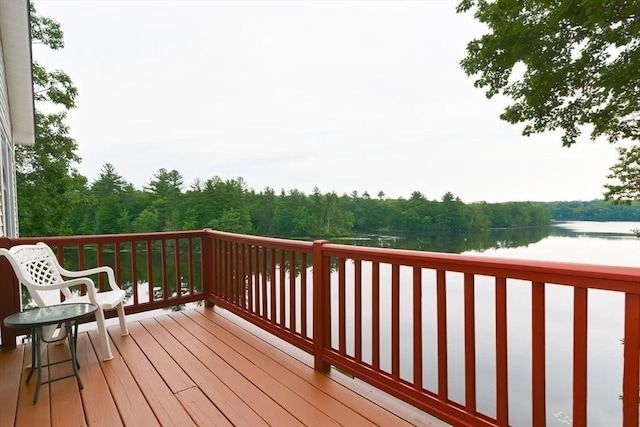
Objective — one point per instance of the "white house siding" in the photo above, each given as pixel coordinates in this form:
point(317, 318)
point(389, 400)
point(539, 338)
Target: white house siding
point(17, 125)
point(5, 131)
point(8, 196)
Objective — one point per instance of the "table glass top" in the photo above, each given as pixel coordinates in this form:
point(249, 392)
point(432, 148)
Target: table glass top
point(49, 315)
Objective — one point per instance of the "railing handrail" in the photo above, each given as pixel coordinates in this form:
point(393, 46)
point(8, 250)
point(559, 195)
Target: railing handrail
point(272, 242)
point(105, 238)
point(608, 277)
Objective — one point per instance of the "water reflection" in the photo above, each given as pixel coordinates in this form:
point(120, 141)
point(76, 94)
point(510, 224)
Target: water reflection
point(487, 240)
point(452, 242)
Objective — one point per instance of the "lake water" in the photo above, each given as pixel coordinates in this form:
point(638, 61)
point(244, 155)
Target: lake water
point(607, 243)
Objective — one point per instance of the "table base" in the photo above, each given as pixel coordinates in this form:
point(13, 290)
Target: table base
point(36, 356)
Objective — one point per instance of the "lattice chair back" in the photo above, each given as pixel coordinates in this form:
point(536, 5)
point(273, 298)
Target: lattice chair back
point(38, 266)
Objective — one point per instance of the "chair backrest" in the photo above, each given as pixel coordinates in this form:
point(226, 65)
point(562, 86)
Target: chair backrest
point(35, 265)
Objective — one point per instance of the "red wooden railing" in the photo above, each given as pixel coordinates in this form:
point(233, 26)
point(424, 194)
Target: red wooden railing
point(254, 279)
point(366, 311)
point(178, 266)
point(539, 275)
point(265, 281)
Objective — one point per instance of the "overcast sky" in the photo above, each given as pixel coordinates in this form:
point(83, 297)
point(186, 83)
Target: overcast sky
point(361, 95)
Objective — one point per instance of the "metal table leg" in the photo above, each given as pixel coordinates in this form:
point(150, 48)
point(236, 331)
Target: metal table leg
point(72, 335)
point(36, 356)
point(36, 360)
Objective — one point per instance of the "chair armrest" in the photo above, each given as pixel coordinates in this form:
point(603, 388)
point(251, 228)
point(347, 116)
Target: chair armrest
point(111, 277)
point(91, 287)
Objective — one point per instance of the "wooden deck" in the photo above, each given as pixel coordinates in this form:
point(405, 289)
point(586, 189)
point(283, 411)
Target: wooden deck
point(195, 367)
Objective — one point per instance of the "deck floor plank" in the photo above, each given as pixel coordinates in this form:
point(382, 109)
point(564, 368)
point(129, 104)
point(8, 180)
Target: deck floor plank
point(300, 408)
point(99, 406)
point(313, 395)
point(256, 398)
point(224, 398)
point(163, 402)
point(132, 405)
point(203, 412)
point(66, 404)
point(356, 402)
point(169, 369)
point(10, 373)
point(196, 367)
point(28, 414)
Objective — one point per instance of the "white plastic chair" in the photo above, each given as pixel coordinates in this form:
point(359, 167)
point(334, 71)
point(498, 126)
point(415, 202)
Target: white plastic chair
point(37, 267)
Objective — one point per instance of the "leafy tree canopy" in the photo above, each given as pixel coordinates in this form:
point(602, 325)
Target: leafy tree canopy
point(47, 180)
point(568, 65)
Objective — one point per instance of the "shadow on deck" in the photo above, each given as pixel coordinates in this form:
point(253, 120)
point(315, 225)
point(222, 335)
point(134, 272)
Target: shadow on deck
point(195, 367)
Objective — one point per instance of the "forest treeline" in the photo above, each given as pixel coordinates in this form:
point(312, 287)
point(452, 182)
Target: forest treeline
point(594, 210)
point(111, 205)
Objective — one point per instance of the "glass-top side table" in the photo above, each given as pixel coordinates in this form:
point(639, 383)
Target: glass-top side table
point(36, 319)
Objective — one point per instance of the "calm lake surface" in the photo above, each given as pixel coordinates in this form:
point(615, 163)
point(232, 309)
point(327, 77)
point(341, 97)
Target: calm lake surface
point(607, 243)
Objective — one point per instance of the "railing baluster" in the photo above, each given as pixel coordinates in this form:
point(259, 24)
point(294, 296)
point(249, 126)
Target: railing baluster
point(342, 306)
point(81, 262)
point(178, 272)
point(292, 292)
point(150, 270)
point(321, 314)
point(222, 268)
point(469, 343)
point(281, 287)
point(538, 354)
point(213, 263)
point(134, 272)
point(81, 266)
point(256, 280)
point(190, 264)
point(417, 328)
point(375, 315)
point(630, 381)
point(395, 321)
point(357, 309)
point(303, 295)
point(502, 378)
point(239, 274)
point(230, 253)
point(100, 261)
point(209, 267)
point(273, 297)
point(117, 265)
point(441, 297)
point(249, 275)
point(234, 273)
point(579, 357)
point(265, 297)
point(165, 276)
point(225, 279)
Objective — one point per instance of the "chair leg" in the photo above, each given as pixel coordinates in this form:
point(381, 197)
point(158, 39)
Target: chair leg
point(123, 322)
point(103, 335)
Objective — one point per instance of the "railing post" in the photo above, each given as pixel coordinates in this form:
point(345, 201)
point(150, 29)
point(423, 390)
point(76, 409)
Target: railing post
point(631, 369)
point(321, 305)
point(208, 266)
point(10, 302)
